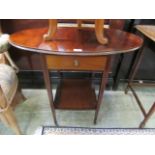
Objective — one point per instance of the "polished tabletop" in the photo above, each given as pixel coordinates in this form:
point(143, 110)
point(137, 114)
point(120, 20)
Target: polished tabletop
point(147, 30)
point(74, 41)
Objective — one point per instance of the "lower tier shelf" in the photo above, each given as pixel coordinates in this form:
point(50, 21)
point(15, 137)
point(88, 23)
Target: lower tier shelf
point(75, 94)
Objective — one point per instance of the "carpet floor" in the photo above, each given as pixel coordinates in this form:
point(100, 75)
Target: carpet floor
point(52, 130)
point(117, 111)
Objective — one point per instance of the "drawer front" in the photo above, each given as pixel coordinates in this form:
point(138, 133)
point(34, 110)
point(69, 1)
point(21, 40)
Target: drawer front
point(76, 62)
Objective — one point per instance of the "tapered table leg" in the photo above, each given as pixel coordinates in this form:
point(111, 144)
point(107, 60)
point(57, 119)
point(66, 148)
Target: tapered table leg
point(134, 68)
point(102, 87)
point(149, 114)
point(118, 72)
point(48, 86)
point(129, 86)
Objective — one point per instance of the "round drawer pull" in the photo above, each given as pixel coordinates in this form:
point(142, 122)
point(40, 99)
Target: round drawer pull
point(76, 63)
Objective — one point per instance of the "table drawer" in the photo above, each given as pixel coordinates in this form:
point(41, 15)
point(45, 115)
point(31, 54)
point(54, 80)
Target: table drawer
point(76, 62)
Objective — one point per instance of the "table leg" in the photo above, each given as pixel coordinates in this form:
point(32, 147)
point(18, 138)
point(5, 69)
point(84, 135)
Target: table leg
point(129, 86)
point(118, 72)
point(48, 87)
point(131, 77)
point(102, 87)
point(151, 111)
point(134, 68)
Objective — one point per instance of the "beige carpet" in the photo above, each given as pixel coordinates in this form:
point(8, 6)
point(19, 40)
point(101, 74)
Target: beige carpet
point(117, 111)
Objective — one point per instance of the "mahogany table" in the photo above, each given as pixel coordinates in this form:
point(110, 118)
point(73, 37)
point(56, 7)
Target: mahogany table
point(148, 31)
point(75, 49)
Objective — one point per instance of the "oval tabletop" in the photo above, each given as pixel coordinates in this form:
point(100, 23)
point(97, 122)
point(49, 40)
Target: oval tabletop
point(74, 41)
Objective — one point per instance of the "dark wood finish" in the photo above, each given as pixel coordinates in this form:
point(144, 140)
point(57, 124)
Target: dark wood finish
point(76, 63)
point(117, 24)
point(20, 24)
point(48, 86)
point(102, 88)
point(117, 76)
point(131, 77)
point(149, 32)
point(134, 68)
point(146, 69)
point(27, 61)
point(14, 25)
point(148, 115)
point(72, 41)
point(99, 29)
point(68, 45)
point(138, 100)
point(75, 94)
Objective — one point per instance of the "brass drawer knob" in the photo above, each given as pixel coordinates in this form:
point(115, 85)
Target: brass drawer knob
point(76, 63)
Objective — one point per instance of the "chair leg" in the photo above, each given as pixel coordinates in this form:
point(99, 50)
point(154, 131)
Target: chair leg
point(9, 119)
point(18, 98)
point(7, 115)
point(7, 55)
point(51, 30)
point(151, 111)
point(99, 31)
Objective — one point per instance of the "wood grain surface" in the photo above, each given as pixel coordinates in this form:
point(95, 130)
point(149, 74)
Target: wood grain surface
point(73, 41)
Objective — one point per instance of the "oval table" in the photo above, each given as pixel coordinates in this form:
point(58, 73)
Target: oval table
point(74, 49)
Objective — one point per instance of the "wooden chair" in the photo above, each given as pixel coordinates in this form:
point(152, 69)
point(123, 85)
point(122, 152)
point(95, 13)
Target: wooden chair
point(4, 51)
point(6, 114)
point(99, 29)
point(10, 94)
